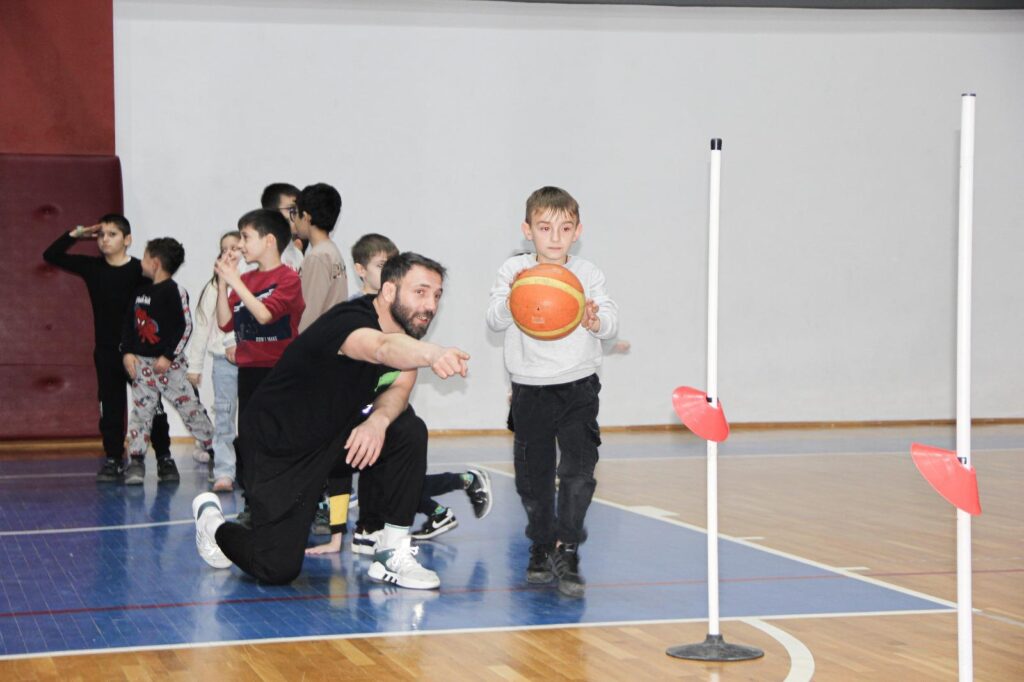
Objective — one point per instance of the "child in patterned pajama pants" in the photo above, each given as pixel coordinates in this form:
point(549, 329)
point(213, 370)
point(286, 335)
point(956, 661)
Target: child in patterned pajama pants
point(147, 388)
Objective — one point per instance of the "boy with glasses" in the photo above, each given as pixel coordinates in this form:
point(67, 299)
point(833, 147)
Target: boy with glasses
point(282, 196)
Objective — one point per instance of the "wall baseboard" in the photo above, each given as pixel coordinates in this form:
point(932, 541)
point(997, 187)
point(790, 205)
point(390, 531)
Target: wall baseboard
point(90, 445)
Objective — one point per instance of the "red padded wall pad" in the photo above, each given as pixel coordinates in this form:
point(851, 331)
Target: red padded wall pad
point(47, 381)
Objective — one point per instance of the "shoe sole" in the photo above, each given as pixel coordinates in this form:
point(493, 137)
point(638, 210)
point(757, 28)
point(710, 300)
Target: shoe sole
point(380, 573)
point(486, 486)
point(169, 479)
point(134, 480)
point(571, 589)
point(540, 578)
point(440, 531)
point(363, 547)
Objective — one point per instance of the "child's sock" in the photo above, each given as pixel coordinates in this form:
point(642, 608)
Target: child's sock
point(467, 479)
point(440, 509)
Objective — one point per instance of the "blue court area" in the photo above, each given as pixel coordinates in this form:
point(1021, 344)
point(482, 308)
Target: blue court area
point(85, 566)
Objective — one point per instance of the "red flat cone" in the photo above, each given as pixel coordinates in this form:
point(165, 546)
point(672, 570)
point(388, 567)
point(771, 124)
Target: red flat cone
point(951, 479)
point(698, 415)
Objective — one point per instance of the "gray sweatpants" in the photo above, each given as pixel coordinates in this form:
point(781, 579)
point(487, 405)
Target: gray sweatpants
point(147, 388)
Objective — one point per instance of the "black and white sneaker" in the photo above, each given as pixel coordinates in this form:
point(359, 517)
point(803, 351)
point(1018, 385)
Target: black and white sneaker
point(167, 470)
point(112, 471)
point(398, 566)
point(206, 544)
point(364, 541)
point(436, 524)
point(479, 492)
point(538, 571)
point(135, 473)
point(565, 566)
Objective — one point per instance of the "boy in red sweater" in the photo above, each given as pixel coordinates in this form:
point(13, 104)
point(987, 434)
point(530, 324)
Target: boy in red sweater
point(263, 307)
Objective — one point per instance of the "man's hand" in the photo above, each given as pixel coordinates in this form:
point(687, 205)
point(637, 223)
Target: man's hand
point(365, 442)
point(591, 321)
point(90, 232)
point(194, 379)
point(449, 362)
point(161, 365)
point(131, 364)
point(229, 353)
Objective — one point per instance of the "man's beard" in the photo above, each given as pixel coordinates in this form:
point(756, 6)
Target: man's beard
point(404, 316)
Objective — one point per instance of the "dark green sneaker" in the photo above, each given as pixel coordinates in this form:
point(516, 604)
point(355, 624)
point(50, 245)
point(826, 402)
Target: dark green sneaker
point(538, 571)
point(112, 471)
point(167, 471)
point(565, 565)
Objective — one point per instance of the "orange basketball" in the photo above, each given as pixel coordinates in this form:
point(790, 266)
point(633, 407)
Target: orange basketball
point(547, 301)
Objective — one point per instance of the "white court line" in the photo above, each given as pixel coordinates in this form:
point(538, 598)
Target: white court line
point(769, 550)
point(13, 477)
point(424, 633)
point(801, 662)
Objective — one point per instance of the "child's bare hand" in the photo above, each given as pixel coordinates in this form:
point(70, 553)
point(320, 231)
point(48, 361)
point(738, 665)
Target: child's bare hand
point(161, 365)
point(86, 232)
point(194, 379)
point(229, 353)
point(226, 268)
point(590, 319)
point(131, 365)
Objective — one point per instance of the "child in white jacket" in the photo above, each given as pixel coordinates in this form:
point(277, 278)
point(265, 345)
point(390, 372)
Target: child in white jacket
point(208, 338)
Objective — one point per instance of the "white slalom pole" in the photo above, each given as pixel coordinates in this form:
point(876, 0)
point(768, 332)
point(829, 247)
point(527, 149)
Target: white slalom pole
point(714, 647)
point(965, 640)
point(712, 385)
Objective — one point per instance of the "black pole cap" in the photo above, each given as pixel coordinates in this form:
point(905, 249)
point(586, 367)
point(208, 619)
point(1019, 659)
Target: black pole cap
point(968, 94)
point(716, 144)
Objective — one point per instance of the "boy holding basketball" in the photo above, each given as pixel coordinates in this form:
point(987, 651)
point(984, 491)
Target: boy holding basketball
point(555, 395)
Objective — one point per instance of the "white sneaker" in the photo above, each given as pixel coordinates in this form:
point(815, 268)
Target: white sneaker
point(207, 546)
point(365, 543)
point(200, 455)
point(397, 565)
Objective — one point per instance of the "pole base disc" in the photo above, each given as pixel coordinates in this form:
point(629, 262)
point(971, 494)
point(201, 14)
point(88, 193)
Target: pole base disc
point(715, 648)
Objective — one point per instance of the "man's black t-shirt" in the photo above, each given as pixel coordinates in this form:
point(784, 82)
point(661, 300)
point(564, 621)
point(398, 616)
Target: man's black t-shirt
point(313, 395)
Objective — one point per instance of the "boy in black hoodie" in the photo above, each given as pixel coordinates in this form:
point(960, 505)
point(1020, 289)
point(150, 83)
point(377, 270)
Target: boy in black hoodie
point(110, 278)
point(156, 331)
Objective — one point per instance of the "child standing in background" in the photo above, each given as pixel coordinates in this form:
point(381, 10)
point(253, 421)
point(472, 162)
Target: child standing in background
point(208, 338)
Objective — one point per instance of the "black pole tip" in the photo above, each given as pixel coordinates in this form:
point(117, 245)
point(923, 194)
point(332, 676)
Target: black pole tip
point(716, 144)
point(968, 94)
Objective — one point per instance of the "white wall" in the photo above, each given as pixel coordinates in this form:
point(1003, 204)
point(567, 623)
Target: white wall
point(436, 119)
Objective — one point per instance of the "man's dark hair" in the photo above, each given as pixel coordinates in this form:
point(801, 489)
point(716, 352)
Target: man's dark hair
point(369, 245)
point(267, 221)
point(398, 266)
point(323, 204)
point(118, 221)
point(273, 192)
point(168, 251)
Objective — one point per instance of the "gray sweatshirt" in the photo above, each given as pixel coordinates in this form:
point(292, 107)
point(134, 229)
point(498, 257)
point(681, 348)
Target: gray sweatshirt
point(543, 363)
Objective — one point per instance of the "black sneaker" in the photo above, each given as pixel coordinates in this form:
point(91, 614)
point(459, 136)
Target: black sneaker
point(135, 472)
point(538, 571)
point(167, 471)
point(565, 565)
point(436, 524)
point(479, 492)
point(111, 471)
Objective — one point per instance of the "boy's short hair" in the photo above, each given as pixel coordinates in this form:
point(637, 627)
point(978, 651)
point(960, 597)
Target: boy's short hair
point(369, 245)
point(323, 204)
point(399, 265)
point(168, 251)
point(273, 192)
point(553, 198)
point(267, 221)
point(118, 221)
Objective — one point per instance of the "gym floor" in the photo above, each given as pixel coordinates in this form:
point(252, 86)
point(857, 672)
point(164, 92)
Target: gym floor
point(837, 559)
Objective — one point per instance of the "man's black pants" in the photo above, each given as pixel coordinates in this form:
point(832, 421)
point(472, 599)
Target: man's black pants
point(283, 489)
